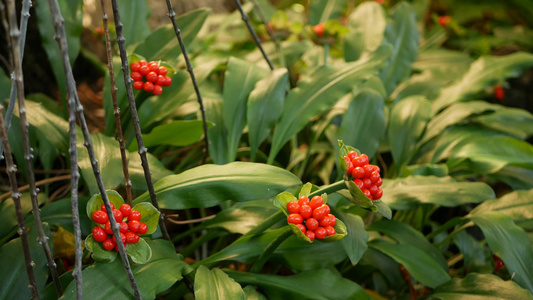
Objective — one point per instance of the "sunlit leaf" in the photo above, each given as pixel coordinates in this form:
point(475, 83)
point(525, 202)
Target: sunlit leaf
point(215, 284)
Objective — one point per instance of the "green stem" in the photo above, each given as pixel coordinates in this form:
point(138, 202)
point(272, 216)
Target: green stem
point(326, 53)
point(269, 250)
point(451, 223)
point(453, 234)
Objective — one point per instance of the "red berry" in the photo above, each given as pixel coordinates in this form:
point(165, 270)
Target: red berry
point(136, 76)
point(124, 227)
point(379, 182)
point(135, 215)
point(148, 86)
point(310, 235)
point(373, 189)
point(320, 233)
point(162, 71)
point(160, 80)
point(125, 209)
point(118, 215)
point(306, 211)
point(351, 155)
point(311, 224)
point(376, 169)
point(142, 62)
point(319, 29)
point(143, 228)
point(135, 66)
point(325, 221)
point(301, 227)
point(99, 234)
point(152, 77)
point(368, 170)
point(132, 238)
point(108, 244)
point(330, 230)
point(293, 207)
point(364, 159)
point(328, 210)
point(319, 213)
point(444, 20)
point(154, 67)
point(134, 225)
point(332, 220)
point(157, 90)
point(316, 201)
point(367, 193)
point(295, 219)
point(138, 85)
point(358, 173)
point(144, 70)
point(100, 217)
point(122, 237)
point(102, 207)
point(378, 194)
point(303, 200)
point(168, 81)
point(107, 228)
point(498, 261)
point(366, 182)
point(349, 165)
point(374, 177)
point(499, 92)
point(380, 1)
point(359, 183)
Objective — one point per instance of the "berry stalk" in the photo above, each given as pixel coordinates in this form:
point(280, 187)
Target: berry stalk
point(269, 250)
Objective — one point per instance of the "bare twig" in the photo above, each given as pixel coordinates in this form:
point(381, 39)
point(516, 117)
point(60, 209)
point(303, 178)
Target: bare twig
point(74, 103)
point(189, 221)
point(11, 172)
point(116, 108)
point(28, 156)
point(172, 16)
point(135, 117)
point(254, 35)
point(37, 183)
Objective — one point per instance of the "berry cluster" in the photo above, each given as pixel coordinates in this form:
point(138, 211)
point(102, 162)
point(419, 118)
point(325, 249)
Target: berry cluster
point(499, 263)
point(129, 231)
point(319, 29)
point(366, 176)
point(499, 92)
point(313, 217)
point(155, 76)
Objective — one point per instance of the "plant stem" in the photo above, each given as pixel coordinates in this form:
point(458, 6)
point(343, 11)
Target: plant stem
point(28, 156)
point(454, 233)
point(172, 16)
point(73, 99)
point(11, 172)
point(116, 108)
point(254, 35)
point(326, 53)
point(269, 250)
point(121, 41)
point(449, 224)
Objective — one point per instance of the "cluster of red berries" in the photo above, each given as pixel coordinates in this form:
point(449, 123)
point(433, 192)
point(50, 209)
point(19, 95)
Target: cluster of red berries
point(366, 176)
point(444, 21)
point(499, 92)
point(313, 217)
point(129, 231)
point(319, 29)
point(155, 76)
point(499, 263)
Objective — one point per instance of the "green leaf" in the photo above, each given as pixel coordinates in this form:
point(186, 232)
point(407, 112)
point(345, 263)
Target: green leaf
point(510, 243)
point(418, 263)
point(480, 286)
point(485, 156)
point(405, 234)
point(305, 285)
point(407, 122)
point(402, 33)
point(9, 216)
point(517, 204)
point(136, 171)
point(175, 133)
point(139, 252)
point(160, 273)
point(217, 134)
point(319, 92)
point(446, 65)
point(251, 294)
point(96, 201)
point(50, 125)
point(322, 11)
point(517, 178)
point(484, 72)
point(209, 185)
point(239, 220)
point(408, 193)
point(107, 152)
point(475, 253)
point(134, 17)
point(367, 26)
point(513, 121)
point(355, 242)
point(149, 215)
point(240, 79)
point(363, 124)
point(265, 105)
point(215, 284)
point(162, 44)
point(59, 214)
point(5, 86)
point(98, 252)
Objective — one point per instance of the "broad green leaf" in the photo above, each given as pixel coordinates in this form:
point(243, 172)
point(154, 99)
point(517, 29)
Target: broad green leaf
point(239, 80)
point(487, 156)
point(251, 294)
point(514, 121)
point(405, 234)
point(50, 125)
point(305, 285)
point(402, 33)
point(140, 253)
point(319, 92)
point(9, 216)
point(175, 133)
point(162, 44)
point(209, 185)
point(160, 273)
point(447, 64)
point(484, 72)
point(367, 26)
point(239, 220)
point(322, 11)
point(72, 13)
point(215, 285)
point(407, 122)
point(418, 263)
point(517, 204)
point(14, 280)
point(5, 86)
point(408, 193)
point(474, 252)
point(134, 16)
point(477, 286)
point(149, 215)
point(265, 105)
point(218, 143)
point(439, 170)
point(98, 252)
point(96, 201)
point(107, 152)
point(517, 178)
point(363, 124)
point(354, 243)
point(388, 267)
point(510, 243)
point(136, 171)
